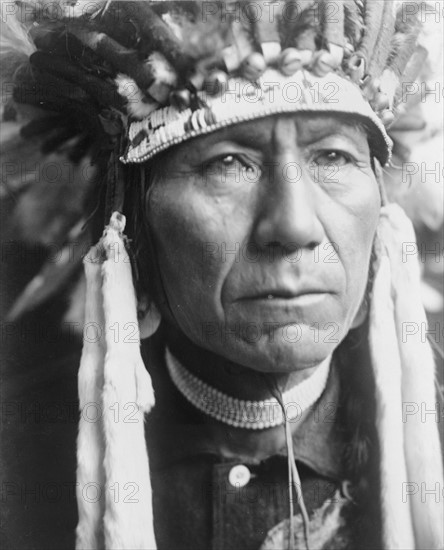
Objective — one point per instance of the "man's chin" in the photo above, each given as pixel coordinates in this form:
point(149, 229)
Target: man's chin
point(286, 349)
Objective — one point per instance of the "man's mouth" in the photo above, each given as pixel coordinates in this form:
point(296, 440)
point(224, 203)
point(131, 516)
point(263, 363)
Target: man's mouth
point(285, 294)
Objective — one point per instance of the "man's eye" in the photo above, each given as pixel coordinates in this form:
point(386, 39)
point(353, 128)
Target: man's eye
point(331, 158)
point(232, 165)
point(228, 160)
point(231, 161)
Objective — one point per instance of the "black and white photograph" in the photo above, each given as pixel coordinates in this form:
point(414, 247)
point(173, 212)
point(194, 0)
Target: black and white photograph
point(222, 275)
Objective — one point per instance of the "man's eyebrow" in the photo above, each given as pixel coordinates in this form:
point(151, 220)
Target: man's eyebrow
point(242, 137)
point(246, 135)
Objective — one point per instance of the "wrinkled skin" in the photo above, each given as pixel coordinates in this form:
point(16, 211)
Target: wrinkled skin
point(263, 233)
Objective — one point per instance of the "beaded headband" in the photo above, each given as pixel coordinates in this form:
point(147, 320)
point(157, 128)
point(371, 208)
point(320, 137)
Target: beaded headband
point(244, 101)
point(159, 73)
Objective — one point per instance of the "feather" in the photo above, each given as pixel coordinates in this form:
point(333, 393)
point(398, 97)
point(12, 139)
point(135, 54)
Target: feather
point(332, 22)
point(101, 90)
point(373, 11)
point(301, 28)
point(381, 52)
point(54, 275)
point(82, 8)
point(15, 47)
point(14, 37)
point(353, 23)
point(404, 41)
point(157, 36)
point(61, 9)
point(201, 38)
point(138, 105)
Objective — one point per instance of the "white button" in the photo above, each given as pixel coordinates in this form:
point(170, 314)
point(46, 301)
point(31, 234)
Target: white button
point(239, 476)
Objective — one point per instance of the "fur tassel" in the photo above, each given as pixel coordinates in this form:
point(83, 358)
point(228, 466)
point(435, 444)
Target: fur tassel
point(90, 444)
point(422, 444)
point(397, 525)
point(127, 395)
point(111, 451)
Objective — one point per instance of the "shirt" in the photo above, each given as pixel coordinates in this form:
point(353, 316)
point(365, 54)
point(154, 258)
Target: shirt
point(196, 504)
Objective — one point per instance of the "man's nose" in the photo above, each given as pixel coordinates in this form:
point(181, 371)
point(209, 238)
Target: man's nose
point(287, 214)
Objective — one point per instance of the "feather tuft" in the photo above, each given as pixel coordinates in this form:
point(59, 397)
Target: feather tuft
point(138, 105)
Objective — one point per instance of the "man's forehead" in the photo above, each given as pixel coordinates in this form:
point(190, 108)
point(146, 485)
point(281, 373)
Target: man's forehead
point(260, 135)
point(308, 128)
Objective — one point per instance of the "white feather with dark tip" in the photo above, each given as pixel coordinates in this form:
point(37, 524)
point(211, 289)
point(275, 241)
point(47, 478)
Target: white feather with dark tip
point(138, 105)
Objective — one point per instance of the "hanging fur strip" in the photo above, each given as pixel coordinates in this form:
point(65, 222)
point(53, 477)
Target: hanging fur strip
point(420, 408)
point(113, 378)
point(397, 525)
point(90, 444)
point(405, 381)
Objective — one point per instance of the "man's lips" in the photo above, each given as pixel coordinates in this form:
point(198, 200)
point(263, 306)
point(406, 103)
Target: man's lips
point(284, 294)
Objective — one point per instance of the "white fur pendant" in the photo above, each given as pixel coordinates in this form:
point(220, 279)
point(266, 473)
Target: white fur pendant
point(90, 444)
point(396, 517)
point(421, 420)
point(125, 394)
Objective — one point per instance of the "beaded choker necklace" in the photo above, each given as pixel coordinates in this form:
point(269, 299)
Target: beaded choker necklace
point(251, 415)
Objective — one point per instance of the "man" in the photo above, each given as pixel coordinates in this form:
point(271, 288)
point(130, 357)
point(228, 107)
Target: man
point(246, 154)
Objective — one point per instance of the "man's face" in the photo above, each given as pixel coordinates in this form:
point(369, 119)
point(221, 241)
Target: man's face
point(263, 233)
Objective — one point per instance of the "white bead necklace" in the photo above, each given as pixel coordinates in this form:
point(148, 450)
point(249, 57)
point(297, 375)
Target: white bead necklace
point(252, 415)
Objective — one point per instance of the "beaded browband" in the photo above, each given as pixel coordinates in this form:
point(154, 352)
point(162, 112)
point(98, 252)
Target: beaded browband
point(159, 73)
